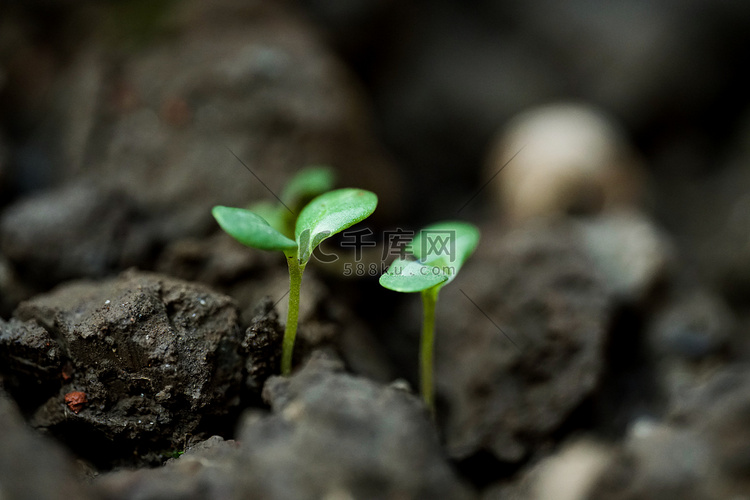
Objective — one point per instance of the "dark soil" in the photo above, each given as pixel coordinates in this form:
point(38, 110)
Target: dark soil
point(595, 351)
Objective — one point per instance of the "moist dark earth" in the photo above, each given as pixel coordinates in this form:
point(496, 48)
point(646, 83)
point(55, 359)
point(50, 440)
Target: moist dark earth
point(595, 346)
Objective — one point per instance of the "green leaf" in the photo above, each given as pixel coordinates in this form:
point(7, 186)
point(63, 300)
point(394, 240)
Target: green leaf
point(331, 213)
point(446, 245)
point(411, 276)
point(277, 216)
point(307, 184)
point(441, 248)
point(251, 229)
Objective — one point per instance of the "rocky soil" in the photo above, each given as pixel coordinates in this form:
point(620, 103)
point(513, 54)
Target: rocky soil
point(595, 346)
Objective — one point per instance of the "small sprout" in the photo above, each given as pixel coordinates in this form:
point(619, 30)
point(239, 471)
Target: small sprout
point(76, 401)
point(324, 216)
point(441, 250)
point(303, 187)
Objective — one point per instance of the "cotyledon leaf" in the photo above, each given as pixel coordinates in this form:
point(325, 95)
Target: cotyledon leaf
point(445, 245)
point(441, 250)
point(251, 229)
point(331, 213)
point(411, 276)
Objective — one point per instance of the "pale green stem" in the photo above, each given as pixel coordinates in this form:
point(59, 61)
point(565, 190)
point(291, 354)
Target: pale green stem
point(292, 318)
point(429, 299)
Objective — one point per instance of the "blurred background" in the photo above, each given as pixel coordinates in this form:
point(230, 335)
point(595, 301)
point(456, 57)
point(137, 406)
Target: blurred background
point(408, 97)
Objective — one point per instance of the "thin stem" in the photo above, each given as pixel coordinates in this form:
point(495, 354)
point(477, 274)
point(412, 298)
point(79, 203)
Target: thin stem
point(429, 299)
point(290, 330)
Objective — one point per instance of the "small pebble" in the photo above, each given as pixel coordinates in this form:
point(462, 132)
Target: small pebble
point(564, 159)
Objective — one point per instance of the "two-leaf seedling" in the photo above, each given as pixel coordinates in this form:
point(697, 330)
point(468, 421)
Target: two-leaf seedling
point(440, 249)
point(323, 217)
point(308, 183)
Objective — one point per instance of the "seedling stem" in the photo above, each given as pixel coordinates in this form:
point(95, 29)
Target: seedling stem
point(290, 329)
point(429, 299)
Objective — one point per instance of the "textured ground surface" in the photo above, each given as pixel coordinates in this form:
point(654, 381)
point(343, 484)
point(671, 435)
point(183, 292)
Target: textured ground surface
point(598, 351)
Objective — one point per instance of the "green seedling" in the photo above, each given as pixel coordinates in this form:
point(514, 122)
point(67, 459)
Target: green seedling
point(441, 250)
point(324, 216)
point(303, 187)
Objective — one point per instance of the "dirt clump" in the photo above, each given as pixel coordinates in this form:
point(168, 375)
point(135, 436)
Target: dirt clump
point(150, 357)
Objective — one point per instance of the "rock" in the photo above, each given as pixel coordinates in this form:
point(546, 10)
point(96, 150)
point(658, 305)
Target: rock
point(568, 474)
point(152, 355)
point(519, 342)
point(660, 461)
point(208, 470)
point(33, 467)
point(564, 158)
point(331, 424)
point(631, 253)
point(329, 435)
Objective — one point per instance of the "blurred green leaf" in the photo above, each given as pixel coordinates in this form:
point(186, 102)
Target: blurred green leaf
point(306, 185)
